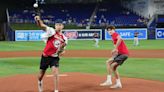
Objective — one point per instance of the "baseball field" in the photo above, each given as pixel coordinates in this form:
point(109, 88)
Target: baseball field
point(82, 68)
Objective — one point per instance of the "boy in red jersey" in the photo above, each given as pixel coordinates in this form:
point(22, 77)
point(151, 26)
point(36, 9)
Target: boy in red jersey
point(55, 44)
point(119, 55)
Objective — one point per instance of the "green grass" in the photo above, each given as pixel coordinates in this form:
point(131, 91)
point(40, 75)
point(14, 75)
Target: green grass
point(19, 46)
point(79, 45)
point(151, 69)
point(26, 26)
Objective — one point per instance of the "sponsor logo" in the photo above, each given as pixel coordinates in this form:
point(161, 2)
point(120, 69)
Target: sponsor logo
point(71, 34)
point(160, 34)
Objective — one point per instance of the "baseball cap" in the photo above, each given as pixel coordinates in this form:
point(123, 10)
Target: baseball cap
point(58, 21)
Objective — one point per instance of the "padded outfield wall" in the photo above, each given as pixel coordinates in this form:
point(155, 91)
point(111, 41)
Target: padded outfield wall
point(84, 34)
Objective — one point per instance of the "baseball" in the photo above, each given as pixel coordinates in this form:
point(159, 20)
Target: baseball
point(35, 5)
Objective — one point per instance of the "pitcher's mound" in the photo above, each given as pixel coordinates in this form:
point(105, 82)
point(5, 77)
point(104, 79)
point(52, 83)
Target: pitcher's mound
point(77, 82)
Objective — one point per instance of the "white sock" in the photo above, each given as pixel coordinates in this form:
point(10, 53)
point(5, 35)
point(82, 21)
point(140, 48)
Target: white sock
point(40, 86)
point(40, 82)
point(118, 81)
point(109, 78)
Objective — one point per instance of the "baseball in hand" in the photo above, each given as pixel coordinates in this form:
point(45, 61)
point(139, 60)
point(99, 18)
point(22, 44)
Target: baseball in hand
point(37, 18)
point(35, 5)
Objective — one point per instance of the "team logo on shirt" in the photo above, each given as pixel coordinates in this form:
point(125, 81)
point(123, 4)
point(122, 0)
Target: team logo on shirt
point(57, 43)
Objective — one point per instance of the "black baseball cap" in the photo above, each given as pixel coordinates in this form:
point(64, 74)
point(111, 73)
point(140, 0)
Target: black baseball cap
point(58, 21)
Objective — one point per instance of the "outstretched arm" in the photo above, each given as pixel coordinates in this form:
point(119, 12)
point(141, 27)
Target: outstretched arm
point(40, 23)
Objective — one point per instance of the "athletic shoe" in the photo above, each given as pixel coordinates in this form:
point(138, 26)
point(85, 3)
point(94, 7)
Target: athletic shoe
point(116, 86)
point(106, 83)
point(56, 91)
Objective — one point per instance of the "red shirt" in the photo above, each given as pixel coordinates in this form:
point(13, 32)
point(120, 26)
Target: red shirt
point(122, 49)
point(54, 40)
point(53, 45)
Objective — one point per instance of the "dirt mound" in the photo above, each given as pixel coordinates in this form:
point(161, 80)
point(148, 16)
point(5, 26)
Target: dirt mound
point(77, 82)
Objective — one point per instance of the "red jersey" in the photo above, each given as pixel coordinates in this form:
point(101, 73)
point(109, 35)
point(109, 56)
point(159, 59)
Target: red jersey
point(53, 42)
point(122, 49)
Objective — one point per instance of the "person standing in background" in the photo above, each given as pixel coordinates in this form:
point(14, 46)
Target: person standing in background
point(136, 40)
